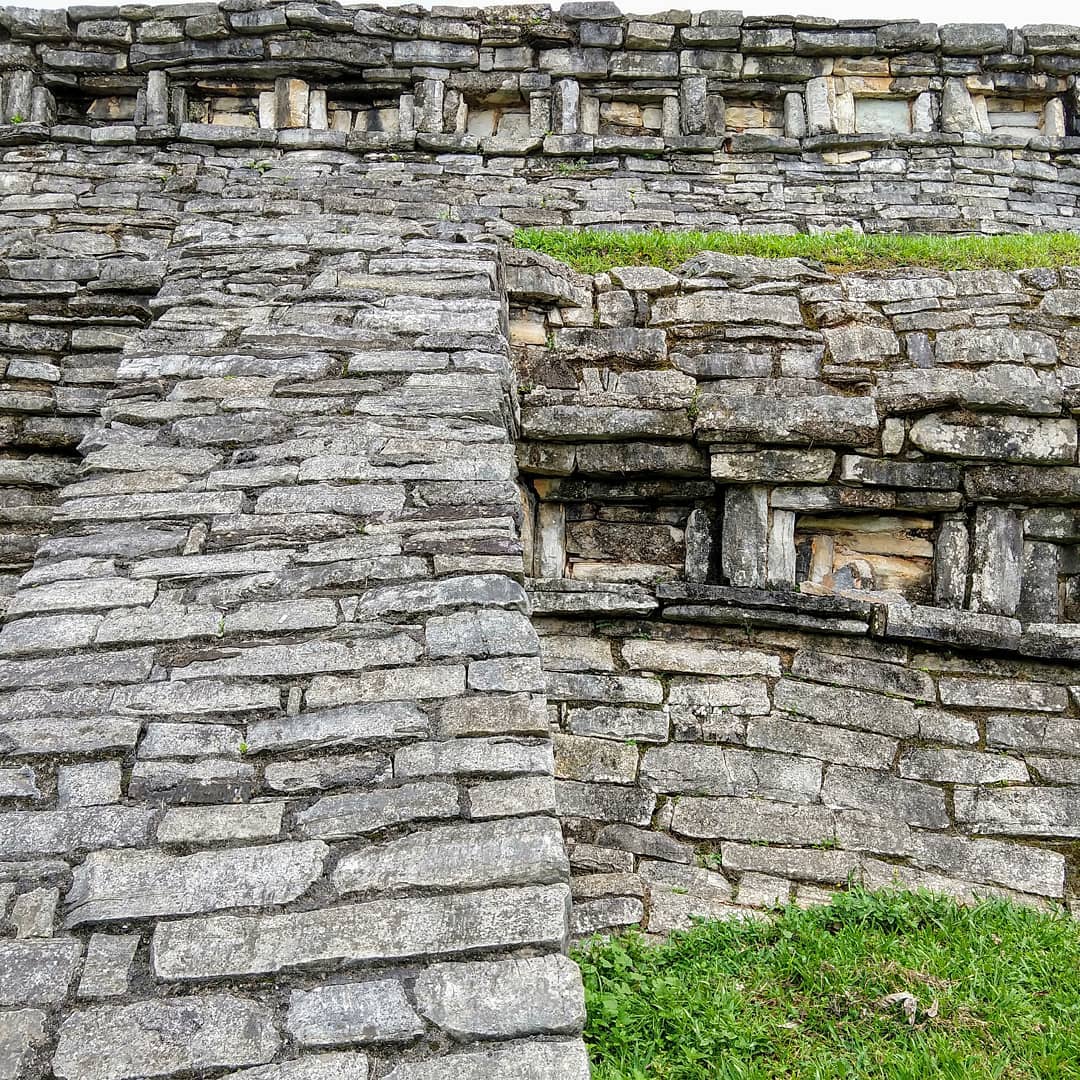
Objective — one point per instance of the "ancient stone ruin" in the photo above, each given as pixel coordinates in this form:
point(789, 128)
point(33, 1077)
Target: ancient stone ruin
point(387, 606)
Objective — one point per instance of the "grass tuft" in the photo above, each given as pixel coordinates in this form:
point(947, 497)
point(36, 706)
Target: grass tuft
point(875, 986)
point(593, 251)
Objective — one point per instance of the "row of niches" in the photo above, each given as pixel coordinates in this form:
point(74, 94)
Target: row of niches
point(519, 117)
point(995, 560)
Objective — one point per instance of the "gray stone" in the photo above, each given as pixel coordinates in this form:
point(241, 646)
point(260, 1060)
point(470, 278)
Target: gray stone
point(94, 783)
point(55, 832)
point(503, 999)
point(123, 1042)
point(805, 420)
point(356, 813)
point(21, 1032)
point(1003, 438)
point(534, 1060)
point(340, 1066)
point(480, 855)
point(847, 708)
point(979, 693)
point(834, 744)
point(19, 783)
point(773, 466)
point(37, 972)
point(1010, 866)
point(879, 793)
point(1021, 811)
point(208, 824)
point(961, 767)
point(744, 541)
point(480, 633)
point(755, 820)
point(714, 770)
point(349, 725)
point(384, 930)
point(33, 913)
point(473, 757)
point(107, 971)
point(129, 885)
point(363, 1012)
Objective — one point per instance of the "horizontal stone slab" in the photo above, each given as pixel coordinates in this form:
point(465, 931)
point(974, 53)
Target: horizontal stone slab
point(535, 1060)
point(113, 885)
point(503, 999)
point(481, 855)
point(154, 1038)
point(385, 930)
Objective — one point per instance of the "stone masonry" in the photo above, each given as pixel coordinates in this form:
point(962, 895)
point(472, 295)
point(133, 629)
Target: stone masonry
point(386, 607)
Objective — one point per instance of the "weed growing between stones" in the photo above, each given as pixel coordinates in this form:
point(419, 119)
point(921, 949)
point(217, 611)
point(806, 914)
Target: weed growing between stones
point(880, 986)
point(593, 251)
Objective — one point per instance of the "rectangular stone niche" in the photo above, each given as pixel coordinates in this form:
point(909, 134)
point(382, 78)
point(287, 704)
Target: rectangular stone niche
point(887, 115)
point(845, 553)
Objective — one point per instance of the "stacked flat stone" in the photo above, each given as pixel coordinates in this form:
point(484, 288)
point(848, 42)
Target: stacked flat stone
point(268, 709)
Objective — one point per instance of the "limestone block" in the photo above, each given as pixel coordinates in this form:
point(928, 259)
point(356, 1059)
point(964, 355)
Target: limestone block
point(503, 998)
point(997, 561)
point(122, 1042)
point(359, 1012)
point(125, 885)
point(395, 929)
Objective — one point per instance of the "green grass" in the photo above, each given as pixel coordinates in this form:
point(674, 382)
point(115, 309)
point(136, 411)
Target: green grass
point(593, 251)
point(801, 997)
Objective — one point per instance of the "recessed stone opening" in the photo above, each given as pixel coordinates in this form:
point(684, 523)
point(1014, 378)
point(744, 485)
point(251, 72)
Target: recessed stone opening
point(863, 553)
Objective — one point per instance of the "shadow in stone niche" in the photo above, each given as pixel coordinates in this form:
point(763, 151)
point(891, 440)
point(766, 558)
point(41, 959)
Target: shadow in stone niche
point(890, 555)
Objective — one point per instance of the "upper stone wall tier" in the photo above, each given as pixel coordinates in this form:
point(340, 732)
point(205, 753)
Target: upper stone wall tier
point(518, 80)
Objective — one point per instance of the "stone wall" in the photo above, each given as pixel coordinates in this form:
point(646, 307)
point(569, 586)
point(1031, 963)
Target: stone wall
point(805, 552)
point(301, 668)
point(277, 780)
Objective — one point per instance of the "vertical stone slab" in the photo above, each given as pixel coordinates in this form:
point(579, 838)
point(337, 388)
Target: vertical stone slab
point(781, 557)
point(1040, 599)
point(157, 98)
point(539, 114)
point(699, 539)
point(565, 102)
point(692, 93)
point(951, 563)
point(819, 116)
point(998, 550)
point(745, 535)
point(794, 116)
point(551, 549)
point(430, 98)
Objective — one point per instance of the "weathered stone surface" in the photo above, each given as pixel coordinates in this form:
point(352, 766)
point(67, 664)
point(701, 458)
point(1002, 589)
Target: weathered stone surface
point(1004, 438)
point(878, 793)
point(362, 1012)
point(709, 770)
point(107, 970)
point(350, 725)
point(339, 816)
point(127, 885)
point(123, 1042)
point(21, 1032)
point(377, 930)
point(481, 855)
point(37, 972)
point(804, 421)
point(533, 1060)
point(54, 832)
point(503, 998)
point(754, 820)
